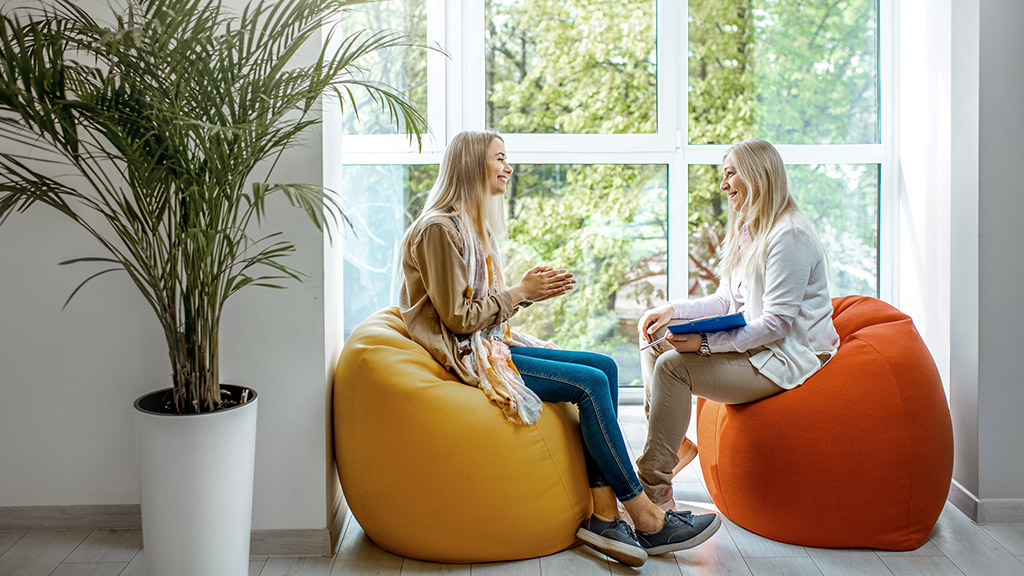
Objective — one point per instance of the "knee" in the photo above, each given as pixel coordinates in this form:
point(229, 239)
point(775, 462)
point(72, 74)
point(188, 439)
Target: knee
point(594, 383)
point(661, 364)
point(608, 366)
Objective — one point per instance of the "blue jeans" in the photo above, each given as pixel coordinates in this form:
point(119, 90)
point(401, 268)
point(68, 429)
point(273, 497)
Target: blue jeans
point(591, 382)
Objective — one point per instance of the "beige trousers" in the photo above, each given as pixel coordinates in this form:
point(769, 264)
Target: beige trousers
point(670, 381)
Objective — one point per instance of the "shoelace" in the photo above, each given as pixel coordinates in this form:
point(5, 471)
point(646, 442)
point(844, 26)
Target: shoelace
point(629, 529)
point(674, 517)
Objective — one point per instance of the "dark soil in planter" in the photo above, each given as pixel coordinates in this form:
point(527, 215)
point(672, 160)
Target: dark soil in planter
point(162, 401)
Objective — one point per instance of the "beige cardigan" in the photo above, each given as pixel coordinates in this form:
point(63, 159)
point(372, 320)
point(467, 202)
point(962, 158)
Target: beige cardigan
point(436, 300)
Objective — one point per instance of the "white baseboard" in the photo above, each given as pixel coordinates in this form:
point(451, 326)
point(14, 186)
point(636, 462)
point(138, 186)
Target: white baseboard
point(986, 510)
point(273, 542)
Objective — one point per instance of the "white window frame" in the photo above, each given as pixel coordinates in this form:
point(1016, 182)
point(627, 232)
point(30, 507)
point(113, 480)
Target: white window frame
point(456, 102)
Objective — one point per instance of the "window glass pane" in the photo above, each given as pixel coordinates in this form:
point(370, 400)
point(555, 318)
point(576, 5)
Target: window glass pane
point(608, 225)
point(380, 202)
point(571, 66)
point(789, 72)
point(404, 69)
point(841, 200)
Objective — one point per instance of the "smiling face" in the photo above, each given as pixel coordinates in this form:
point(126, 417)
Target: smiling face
point(498, 169)
point(734, 186)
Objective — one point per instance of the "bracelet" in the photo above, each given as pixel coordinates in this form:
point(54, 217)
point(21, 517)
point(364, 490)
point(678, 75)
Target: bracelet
point(704, 349)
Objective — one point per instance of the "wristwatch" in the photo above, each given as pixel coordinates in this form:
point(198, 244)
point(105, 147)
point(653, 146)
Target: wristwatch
point(704, 349)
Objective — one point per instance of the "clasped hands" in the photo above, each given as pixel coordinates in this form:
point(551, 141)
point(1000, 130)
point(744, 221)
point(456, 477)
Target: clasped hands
point(657, 318)
point(541, 283)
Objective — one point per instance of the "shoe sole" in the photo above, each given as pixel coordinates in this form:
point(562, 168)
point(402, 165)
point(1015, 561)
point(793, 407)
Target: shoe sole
point(620, 552)
point(685, 456)
point(687, 544)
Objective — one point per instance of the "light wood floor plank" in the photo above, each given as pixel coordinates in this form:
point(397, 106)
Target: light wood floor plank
point(8, 539)
point(389, 567)
point(664, 565)
point(926, 549)
point(39, 553)
point(783, 567)
point(356, 545)
point(108, 546)
point(256, 564)
point(754, 546)
point(718, 556)
point(137, 567)
point(520, 568)
point(971, 548)
point(418, 568)
point(921, 566)
point(90, 569)
point(578, 561)
point(847, 562)
point(298, 566)
point(692, 496)
point(1010, 536)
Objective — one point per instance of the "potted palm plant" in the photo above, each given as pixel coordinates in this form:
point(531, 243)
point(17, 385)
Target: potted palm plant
point(171, 119)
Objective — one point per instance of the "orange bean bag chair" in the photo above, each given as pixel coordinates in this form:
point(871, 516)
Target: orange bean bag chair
point(859, 456)
point(433, 471)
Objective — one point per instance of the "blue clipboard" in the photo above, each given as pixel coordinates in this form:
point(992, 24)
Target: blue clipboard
point(713, 324)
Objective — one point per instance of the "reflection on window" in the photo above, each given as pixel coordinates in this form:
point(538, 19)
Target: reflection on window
point(571, 67)
point(840, 200)
point(789, 72)
point(403, 69)
point(380, 202)
point(608, 225)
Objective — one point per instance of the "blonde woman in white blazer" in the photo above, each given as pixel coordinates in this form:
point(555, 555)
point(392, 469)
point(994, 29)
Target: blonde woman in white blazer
point(773, 271)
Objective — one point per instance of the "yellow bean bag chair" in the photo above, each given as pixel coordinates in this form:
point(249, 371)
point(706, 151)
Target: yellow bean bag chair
point(433, 471)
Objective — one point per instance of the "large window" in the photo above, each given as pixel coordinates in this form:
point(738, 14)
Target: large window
point(616, 115)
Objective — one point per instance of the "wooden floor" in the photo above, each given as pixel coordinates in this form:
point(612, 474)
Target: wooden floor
point(956, 546)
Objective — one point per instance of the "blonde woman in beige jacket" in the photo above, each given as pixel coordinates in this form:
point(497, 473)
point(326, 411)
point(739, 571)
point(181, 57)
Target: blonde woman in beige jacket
point(456, 305)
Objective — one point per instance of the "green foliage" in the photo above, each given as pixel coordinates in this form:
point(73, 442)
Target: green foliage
point(571, 66)
point(163, 119)
point(606, 223)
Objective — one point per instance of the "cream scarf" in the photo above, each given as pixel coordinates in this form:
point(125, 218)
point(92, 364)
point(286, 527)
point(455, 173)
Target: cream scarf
point(486, 353)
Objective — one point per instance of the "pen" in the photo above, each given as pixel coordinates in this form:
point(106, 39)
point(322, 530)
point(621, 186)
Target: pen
point(656, 341)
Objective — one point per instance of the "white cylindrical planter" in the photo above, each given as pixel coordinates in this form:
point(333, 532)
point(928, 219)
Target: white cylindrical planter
point(195, 476)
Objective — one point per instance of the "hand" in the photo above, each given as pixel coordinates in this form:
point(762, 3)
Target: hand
point(684, 343)
point(653, 320)
point(542, 283)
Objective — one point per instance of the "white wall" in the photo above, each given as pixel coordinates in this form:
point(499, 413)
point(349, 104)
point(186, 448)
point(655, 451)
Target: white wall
point(1001, 239)
point(986, 385)
point(964, 320)
point(68, 379)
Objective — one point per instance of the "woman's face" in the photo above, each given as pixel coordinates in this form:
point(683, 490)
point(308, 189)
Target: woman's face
point(734, 186)
point(498, 169)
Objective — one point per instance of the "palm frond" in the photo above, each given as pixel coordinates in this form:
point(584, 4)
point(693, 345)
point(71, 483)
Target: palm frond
point(164, 116)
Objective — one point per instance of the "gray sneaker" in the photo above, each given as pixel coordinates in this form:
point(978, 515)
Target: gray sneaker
point(614, 539)
point(682, 530)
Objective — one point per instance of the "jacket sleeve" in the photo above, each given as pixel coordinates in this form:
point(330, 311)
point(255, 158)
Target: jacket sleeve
point(711, 305)
point(446, 280)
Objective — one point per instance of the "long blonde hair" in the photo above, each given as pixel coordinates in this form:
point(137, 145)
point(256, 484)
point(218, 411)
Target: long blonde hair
point(462, 184)
point(760, 167)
